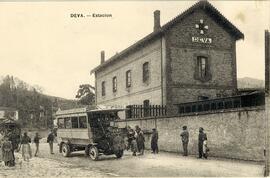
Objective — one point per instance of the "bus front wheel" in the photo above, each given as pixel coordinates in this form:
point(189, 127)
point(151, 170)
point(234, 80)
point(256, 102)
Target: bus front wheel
point(65, 150)
point(93, 152)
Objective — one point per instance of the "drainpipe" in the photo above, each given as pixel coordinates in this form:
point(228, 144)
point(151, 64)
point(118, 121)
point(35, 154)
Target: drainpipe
point(267, 102)
point(161, 59)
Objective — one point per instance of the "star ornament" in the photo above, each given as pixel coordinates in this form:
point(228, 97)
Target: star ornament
point(201, 27)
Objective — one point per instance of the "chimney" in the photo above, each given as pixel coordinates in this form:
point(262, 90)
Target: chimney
point(156, 20)
point(102, 57)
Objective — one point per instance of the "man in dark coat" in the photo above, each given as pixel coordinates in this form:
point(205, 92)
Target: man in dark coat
point(154, 141)
point(50, 140)
point(36, 141)
point(14, 139)
point(7, 155)
point(140, 140)
point(202, 137)
point(185, 139)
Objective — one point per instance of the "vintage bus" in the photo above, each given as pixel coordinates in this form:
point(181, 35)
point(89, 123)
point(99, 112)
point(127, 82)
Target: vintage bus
point(91, 130)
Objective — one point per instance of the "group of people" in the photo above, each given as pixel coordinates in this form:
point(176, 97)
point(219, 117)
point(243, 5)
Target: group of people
point(136, 141)
point(202, 142)
point(12, 141)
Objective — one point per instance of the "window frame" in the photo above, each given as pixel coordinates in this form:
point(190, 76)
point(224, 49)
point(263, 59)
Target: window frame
point(77, 121)
point(114, 84)
point(103, 88)
point(198, 74)
point(146, 72)
point(65, 122)
point(62, 126)
point(128, 79)
point(202, 66)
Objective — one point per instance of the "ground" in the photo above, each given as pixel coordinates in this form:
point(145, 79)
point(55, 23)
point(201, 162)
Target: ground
point(160, 165)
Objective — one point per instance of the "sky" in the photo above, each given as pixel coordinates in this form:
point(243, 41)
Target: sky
point(43, 45)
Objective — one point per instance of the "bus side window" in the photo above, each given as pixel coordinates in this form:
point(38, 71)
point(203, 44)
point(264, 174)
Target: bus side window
point(74, 121)
point(82, 122)
point(67, 123)
point(61, 123)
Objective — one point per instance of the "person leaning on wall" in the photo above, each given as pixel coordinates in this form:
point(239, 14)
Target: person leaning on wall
point(185, 139)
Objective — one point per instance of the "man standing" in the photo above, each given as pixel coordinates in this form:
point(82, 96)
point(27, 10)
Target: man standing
point(185, 138)
point(36, 141)
point(14, 139)
point(201, 139)
point(140, 140)
point(154, 141)
point(50, 140)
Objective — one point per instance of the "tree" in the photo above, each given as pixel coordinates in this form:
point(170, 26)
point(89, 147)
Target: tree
point(86, 94)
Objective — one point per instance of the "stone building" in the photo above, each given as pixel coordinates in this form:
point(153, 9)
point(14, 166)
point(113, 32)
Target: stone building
point(190, 58)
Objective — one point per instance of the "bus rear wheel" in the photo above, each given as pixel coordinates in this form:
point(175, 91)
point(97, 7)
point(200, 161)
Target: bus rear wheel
point(119, 153)
point(93, 152)
point(65, 150)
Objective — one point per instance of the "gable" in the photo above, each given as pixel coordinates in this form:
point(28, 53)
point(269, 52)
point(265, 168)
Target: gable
point(187, 32)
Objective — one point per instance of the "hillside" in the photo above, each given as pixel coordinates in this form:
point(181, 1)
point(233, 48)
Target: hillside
point(248, 82)
point(35, 108)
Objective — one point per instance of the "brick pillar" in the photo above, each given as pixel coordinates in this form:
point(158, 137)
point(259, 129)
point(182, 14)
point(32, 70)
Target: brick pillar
point(267, 102)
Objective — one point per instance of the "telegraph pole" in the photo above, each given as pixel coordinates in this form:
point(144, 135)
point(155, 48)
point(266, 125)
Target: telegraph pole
point(267, 102)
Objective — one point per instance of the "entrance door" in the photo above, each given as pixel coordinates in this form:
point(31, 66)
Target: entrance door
point(146, 104)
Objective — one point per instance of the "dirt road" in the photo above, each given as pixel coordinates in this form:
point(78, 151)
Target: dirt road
point(163, 164)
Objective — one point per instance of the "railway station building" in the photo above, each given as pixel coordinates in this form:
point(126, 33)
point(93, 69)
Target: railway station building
point(188, 59)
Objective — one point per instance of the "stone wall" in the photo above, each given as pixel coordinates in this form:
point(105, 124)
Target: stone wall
point(235, 134)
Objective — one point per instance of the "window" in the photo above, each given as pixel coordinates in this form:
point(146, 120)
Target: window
point(146, 72)
point(202, 70)
point(114, 81)
point(74, 121)
point(128, 78)
point(82, 122)
point(61, 123)
point(202, 66)
point(67, 123)
point(103, 88)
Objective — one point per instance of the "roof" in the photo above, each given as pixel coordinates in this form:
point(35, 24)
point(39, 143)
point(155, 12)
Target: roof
point(209, 8)
point(87, 110)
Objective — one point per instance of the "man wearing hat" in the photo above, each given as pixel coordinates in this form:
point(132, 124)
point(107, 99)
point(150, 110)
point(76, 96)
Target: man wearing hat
point(154, 141)
point(185, 139)
point(202, 138)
